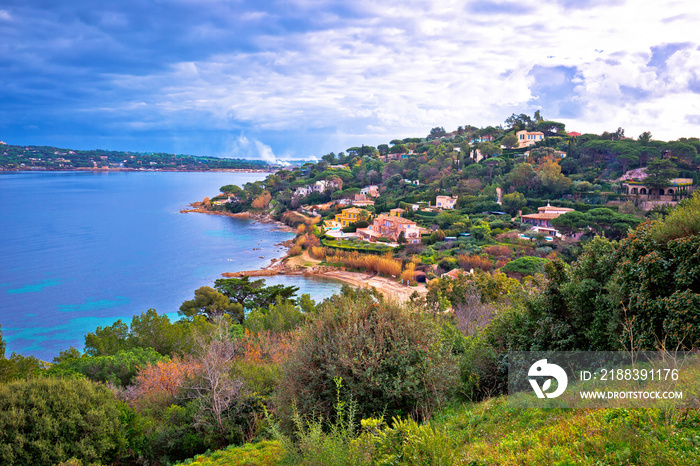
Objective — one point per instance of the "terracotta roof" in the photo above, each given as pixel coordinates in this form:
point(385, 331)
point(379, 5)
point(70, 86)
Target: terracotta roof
point(541, 216)
point(395, 219)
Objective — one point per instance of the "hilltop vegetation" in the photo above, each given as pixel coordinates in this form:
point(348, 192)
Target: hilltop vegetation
point(494, 183)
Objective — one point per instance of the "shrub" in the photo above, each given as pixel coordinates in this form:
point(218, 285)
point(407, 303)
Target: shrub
point(406, 442)
point(384, 264)
point(48, 420)
point(118, 370)
point(391, 359)
point(527, 265)
point(468, 261)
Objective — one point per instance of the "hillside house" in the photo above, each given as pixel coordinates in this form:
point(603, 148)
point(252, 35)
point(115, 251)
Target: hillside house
point(677, 188)
point(528, 138)
point(541, 221)
point(371, 190)
point(445, 202)
point(391, 227)
point(350, 216)
point(303, 191)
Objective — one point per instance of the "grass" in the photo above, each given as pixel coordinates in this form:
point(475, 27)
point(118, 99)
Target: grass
point(266, 453)
point(497, 432)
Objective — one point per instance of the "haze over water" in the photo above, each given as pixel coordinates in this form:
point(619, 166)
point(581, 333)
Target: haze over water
point(82, 249)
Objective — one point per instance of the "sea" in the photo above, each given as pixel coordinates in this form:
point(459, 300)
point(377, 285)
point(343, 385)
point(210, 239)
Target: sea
point(80, 250)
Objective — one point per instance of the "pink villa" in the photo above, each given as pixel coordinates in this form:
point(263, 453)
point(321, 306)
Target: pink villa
point(391, 226)
point(528, 138)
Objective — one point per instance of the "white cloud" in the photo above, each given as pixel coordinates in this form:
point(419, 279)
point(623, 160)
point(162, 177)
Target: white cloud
point(402, 69)
point(244, 148)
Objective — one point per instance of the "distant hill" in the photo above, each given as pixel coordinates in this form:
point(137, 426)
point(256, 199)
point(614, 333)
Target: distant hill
point(53, 158)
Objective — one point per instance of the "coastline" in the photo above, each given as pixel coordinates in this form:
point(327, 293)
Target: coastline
point(196, 208)
point(306, 266)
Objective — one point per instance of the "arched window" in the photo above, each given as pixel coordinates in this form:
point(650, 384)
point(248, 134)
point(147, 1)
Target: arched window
point(643, 191)
point(670, 191)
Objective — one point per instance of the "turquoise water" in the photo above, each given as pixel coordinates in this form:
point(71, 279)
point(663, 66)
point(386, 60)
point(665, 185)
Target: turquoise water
point(81, 250)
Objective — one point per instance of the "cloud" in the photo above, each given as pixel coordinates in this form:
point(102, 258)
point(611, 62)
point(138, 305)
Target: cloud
point(310, 77)
point(243, 148)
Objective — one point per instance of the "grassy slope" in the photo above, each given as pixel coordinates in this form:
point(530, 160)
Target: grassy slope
point(494, 433)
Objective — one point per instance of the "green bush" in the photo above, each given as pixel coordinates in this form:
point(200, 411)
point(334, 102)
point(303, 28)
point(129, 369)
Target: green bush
point(118, 369)
point(527, 265)
point(406, 442)
point(391, 359)
point(46, 421)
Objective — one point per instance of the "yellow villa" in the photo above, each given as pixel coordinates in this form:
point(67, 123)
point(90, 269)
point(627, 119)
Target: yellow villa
point(349, 216)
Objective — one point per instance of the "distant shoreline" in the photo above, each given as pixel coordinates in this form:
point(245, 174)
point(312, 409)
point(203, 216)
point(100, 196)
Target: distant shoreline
point(144, 170)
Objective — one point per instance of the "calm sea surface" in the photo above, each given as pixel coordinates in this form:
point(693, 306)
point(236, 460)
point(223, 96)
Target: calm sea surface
point(81, 250)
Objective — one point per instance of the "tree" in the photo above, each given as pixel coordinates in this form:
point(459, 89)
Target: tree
point(659, 173)
point(118, 369)
point(213, 389)
point(2, 345)
point(571, 222)
point(402, 238)
point(391, 358)
point(658, 280)
point(437, 132)
point(253, 295)
point(492, 163)
point(398, 149)
point(107, 340)
point(684, 153)
point(527, 265)
point(551, 128)
point(489, 149)
point(150, 330)
point(510, 141)
point(519, 122)
point(211, 303)
point(231, 189)
point(513, 202)
point(644, 138)
point(523, 176)
point(627, 155)
point(551, 178)
point(261, 201)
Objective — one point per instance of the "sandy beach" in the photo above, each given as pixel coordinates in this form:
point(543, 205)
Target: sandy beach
point(307, 266)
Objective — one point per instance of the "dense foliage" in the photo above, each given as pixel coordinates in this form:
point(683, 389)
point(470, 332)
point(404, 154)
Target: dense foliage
point(46, 421)
point(390, 357)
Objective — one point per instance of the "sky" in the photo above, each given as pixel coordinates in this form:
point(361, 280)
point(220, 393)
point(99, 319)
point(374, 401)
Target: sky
point(296, 79)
